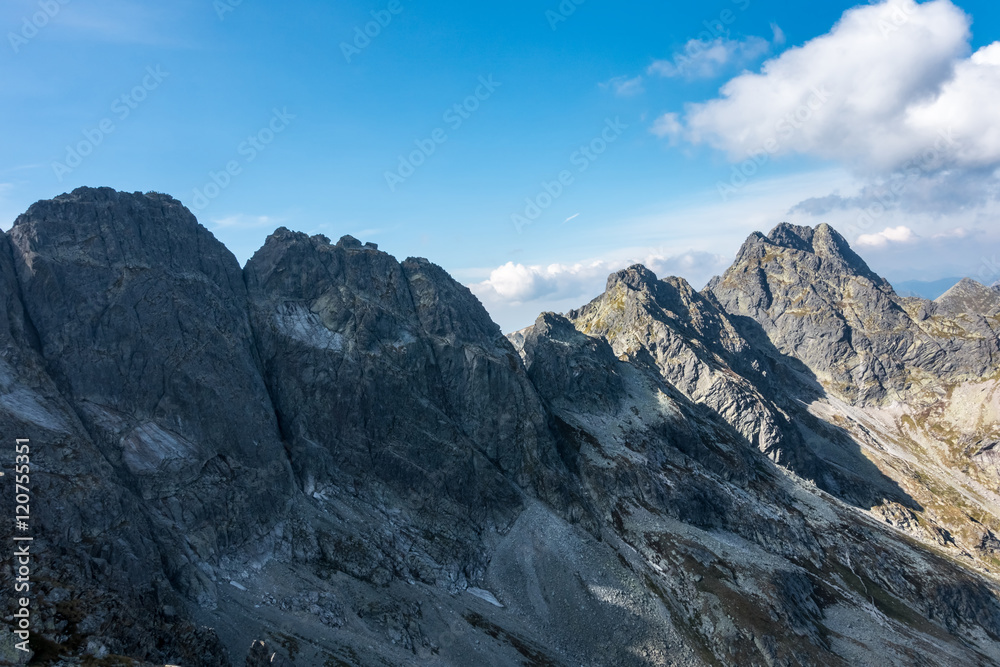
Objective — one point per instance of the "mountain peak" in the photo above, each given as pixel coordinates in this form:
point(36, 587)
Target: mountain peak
point(818, 301)
point(969, 296)
point(636, 277)
point(792, 236)
point(823, 242)
point(797, 283)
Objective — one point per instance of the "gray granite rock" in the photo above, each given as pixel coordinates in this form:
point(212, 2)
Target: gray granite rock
point(820, 303)
point(141, 317)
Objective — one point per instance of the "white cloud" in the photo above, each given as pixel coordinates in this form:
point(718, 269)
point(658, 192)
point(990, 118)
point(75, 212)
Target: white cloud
point(957, 233)
point(697, 236)
point(889, 84)
point(779, 35)
point(516, 284)
point(703, 60)
point(901, 234)
point(624, 86)
point(668, 126)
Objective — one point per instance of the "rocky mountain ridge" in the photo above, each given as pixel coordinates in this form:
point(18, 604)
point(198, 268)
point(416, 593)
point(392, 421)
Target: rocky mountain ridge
point(341, 456)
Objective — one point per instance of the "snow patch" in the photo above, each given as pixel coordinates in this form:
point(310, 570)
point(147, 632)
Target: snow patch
point(148, 449)
point(301, 324)
point(484, 595)
point(25, 404)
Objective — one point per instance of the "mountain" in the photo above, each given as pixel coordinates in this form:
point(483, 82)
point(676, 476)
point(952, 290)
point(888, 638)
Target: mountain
point(818, 302)
point(331, 457)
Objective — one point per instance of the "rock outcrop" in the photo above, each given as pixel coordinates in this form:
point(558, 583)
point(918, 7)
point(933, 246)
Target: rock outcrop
point(727, 362)
point(819, 302)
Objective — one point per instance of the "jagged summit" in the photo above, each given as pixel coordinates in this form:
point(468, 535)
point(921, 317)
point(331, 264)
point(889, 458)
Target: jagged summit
point(822, 249)
point(105, 198)
point(824, 305)
point(793, 236)
point(636, 276)
point(971, 297)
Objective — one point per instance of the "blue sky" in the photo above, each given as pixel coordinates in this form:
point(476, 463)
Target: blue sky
point(668, 99)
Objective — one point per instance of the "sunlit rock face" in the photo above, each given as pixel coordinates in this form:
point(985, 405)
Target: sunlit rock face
point(819, 302)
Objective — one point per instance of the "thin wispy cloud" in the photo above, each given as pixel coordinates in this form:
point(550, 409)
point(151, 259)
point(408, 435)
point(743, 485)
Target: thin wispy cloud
point(624, 86)
point(112, 21)
point(23, 167)
point(778, 37)
point(705, 60)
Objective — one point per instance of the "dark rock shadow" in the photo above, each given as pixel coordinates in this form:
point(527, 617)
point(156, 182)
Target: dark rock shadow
point(825, 453)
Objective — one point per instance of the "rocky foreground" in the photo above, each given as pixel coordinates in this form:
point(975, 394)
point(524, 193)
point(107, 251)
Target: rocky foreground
point(333, 458)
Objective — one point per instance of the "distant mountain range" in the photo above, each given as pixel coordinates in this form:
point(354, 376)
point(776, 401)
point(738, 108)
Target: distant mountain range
point(330, 457)
point(925, 289)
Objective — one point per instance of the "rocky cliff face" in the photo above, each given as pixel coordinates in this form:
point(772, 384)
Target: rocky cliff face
point(331, 457)
point(728, 363)
point(913, 382)
point(820, 303)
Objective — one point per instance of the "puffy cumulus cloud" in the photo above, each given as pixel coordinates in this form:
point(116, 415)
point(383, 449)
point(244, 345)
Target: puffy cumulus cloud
point(703, 59)
point(520, 284)
point(901, 234)
point(891, 86)
point(934, 252)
